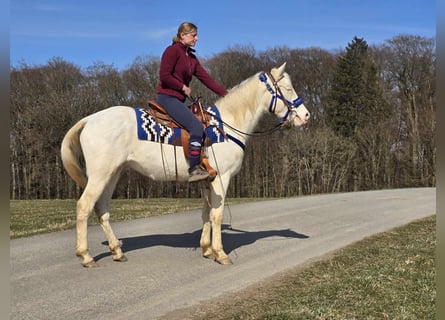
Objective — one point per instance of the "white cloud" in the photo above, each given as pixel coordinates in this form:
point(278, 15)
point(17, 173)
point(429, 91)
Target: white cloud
point(160, 34)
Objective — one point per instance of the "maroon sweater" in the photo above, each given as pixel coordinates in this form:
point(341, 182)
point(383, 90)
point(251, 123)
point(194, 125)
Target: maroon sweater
point(177, 69)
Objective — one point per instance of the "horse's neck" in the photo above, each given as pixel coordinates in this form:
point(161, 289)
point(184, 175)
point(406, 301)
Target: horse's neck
point(241, 107)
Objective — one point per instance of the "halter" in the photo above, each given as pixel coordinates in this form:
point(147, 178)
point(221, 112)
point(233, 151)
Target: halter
point(277, 94)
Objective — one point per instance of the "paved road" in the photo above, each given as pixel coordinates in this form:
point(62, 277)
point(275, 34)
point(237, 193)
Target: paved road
point(165, 270)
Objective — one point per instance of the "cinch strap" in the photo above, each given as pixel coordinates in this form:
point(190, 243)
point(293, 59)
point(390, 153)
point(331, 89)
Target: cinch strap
point(238, 142)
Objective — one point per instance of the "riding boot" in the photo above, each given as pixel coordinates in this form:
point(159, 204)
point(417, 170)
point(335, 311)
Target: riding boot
point(196, 172)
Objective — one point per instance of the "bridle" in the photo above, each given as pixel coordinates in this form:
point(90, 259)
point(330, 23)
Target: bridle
point(278, 94)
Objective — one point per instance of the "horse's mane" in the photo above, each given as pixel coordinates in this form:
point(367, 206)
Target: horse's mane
point(239, 98)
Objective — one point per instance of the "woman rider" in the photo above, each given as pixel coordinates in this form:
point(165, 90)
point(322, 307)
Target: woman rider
point(178, 65)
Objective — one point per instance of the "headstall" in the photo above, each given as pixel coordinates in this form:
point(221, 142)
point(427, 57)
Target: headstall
point(278, 94)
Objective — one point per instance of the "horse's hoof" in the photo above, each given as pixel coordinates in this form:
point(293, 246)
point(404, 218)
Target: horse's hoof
point(209, 256)
point(121, 259)
point(224, 261)
point(208, 253)
point(90, 264)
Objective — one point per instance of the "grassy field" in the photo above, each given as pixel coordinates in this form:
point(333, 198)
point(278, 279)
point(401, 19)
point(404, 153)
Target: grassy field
point(386, 276)
point(31, 217)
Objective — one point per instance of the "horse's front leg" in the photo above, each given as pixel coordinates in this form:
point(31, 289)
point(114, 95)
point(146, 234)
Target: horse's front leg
point(205, 242)
point(216, 217)
point(217, 196)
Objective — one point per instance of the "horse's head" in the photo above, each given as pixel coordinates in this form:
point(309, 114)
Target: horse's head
point(284, 103)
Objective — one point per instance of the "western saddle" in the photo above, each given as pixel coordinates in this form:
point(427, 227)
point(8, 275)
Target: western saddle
point(162, 117)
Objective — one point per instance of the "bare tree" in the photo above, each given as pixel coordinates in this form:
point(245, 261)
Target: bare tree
point(141, 80)
point(410, 69)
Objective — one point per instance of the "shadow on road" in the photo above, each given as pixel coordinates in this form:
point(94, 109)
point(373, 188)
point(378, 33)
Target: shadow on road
point(232, 239)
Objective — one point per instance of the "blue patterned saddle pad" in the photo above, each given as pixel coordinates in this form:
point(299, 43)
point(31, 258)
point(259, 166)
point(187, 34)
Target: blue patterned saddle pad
point(151, 130)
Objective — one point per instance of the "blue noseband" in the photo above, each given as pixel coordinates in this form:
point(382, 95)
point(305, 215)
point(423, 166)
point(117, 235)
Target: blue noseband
point(277, 94)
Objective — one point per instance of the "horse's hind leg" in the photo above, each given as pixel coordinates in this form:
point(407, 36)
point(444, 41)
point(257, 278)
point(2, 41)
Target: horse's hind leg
point(103, 214)
point(205, 242)
point(85, 205)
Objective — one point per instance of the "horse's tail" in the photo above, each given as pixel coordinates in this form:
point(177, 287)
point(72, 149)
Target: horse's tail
point(71, 152)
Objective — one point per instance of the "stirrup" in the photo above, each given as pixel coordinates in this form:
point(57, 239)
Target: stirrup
point(197, 174)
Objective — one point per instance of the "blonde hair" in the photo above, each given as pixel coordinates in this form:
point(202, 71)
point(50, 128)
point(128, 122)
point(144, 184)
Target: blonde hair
point(185, 27)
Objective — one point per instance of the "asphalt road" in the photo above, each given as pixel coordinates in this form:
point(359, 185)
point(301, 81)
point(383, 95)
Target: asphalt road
point(165, 270)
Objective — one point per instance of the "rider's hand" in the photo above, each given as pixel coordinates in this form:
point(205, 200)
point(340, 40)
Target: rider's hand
point(187, 91)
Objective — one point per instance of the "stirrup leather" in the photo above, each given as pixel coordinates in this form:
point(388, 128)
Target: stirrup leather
point(161, 115)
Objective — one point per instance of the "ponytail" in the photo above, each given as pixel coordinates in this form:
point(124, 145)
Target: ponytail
point(185, 27)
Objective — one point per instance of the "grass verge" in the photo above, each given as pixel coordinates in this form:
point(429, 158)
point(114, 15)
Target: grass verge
point(31, 217)
point(386, 276)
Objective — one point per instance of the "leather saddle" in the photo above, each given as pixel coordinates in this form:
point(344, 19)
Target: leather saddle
point(160, 114)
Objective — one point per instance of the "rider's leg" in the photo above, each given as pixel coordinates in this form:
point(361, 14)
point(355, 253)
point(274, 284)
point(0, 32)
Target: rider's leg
point(183, 115)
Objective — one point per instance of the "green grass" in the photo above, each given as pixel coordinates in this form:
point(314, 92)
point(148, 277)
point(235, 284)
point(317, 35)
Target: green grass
point(386, 276)
point(31, 217)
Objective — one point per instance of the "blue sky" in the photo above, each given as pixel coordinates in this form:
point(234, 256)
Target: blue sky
point(116, 32)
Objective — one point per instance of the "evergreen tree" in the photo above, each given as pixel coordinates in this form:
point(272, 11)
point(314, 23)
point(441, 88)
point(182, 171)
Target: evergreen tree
point(355, 99)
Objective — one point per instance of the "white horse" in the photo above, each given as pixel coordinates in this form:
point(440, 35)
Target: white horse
point(108, 142)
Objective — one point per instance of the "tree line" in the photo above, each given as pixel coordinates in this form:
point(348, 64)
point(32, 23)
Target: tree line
point(373, 120)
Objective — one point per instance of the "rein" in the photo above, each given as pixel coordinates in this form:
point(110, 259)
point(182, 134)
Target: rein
point(276, 94)
point(256, 133)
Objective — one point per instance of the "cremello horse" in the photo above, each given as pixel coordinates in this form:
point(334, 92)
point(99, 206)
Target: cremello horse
point(108, 142)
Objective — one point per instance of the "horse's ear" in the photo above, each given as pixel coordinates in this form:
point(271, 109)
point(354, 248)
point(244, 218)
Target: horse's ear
point(278, 72)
